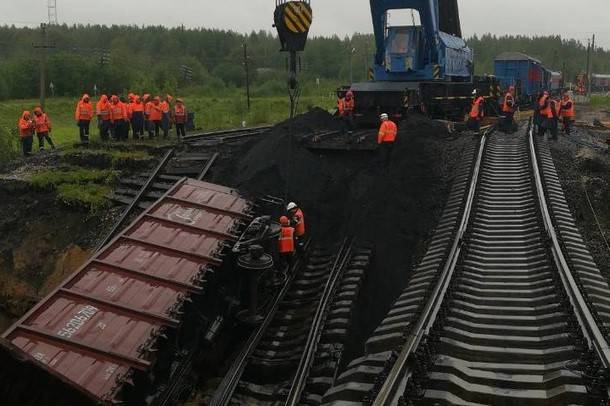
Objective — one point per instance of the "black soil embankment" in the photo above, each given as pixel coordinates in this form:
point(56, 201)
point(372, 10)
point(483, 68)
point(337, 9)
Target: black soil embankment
point(395, 209)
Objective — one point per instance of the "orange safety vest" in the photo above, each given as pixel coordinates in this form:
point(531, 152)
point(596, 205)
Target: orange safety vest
point(136, 107)
point(476, 111)
point(179, 114)
point(155, 112)
point(567, 111)
point(340, 105)
point(509, 103)
point(545, 111)
point(148, 108)
point(103, 111)
point(84, 111)
point(26, 128)
point(348, 107)
point(299, 220)
point(117, 112)
point(164, 107)
point(43, 124)
point(286, 240)
point(387, 132)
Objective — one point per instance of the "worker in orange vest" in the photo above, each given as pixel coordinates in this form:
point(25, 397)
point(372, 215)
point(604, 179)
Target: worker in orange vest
point(155, 116)
point(26, 128)
point(126, 106)
point(148, 126)
point(349, 104)
point(477, 112)
point(165, 115)
point(340, 105)
point(286, 245)
point(83, 116)
point(386, 138)
point(179, 117)
point(508, 109)
point(137, 117)
point(118, 118)
point(43, 128)
point(297, 220)
point(553, 123)
point(102, 110)
point(567, 113)
point(544, 109)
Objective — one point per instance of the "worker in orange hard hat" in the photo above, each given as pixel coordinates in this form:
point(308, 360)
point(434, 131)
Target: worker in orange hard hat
point(508, 110)
point(155, 116)
point(179, 117)
point(83, 116)
point(545, 112)
point(567, 112)
point(43, 128)
point(127, 114)
point(26, 128)
point(102, 110)
point(286, 245)
point(118, 118)
point(148, 125)
point(165, 115)
point(137, 117)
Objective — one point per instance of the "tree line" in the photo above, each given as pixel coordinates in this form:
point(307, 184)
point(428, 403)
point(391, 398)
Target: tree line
point(207, 61)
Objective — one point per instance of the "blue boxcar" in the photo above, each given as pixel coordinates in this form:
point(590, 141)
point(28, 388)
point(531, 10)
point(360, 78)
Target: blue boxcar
point(522, 71)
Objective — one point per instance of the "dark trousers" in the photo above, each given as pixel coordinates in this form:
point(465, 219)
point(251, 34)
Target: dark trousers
point(119, 129)
point(286, 261)
point(385, 149)
point(83, 130)
point(551, 125)
point(507, 123)
point(137, 124)
point(42, 137)
point(104, 127)
point(348, 124)
point(165, 124)
point(26, 145)
point(180, 131)
point(474, 124)
point(156, 126)
point(568, 125)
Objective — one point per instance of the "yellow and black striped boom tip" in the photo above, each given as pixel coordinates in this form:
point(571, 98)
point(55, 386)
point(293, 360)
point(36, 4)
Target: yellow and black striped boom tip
point(298, 16)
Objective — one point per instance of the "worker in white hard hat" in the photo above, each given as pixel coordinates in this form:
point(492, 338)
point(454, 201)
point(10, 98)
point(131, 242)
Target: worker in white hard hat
point(477, 111)
point(297, 220)
point(386, 138)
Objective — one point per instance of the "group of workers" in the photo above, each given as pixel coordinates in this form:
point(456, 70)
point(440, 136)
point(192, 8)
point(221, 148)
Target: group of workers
point(386, 137)
point(292, 233)
point(37, 124)
point(115, 117)
point(548, 112)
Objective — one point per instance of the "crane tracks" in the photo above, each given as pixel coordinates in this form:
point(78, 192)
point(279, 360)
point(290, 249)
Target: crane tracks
point(517, 316)
point(299, 350)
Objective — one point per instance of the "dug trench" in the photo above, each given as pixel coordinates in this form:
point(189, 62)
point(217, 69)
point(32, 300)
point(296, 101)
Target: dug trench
point(352, 193)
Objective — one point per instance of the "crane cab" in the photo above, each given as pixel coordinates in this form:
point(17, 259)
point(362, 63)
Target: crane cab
point(404, 49)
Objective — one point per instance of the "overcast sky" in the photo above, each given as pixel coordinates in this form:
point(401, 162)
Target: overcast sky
point(571, 19)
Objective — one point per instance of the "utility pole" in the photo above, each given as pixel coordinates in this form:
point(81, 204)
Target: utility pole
point(43, 46)
point(247, 68)
point(52, 7)
point(590, 66)
point(351, 65)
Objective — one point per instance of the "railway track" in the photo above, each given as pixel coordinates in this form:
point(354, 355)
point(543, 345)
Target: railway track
point(294, 355)
point(506, 308)
point(193, 158)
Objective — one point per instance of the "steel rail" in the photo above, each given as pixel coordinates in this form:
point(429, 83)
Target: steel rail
point(587, 322)
point(401, 370)
point(208, 165)
point(197, 137)
point(136, 200)
point(300, 379)
point(227, 387)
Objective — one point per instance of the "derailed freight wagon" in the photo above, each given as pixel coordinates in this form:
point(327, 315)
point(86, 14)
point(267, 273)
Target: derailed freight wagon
point(118, 329)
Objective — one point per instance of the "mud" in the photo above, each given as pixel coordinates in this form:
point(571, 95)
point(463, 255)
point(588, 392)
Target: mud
point(584, 171)
point(42, 242)
point(395, 208)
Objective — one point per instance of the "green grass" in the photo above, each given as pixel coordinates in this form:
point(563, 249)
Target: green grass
point(77, 186)
point(211, 113)
point(600, 101)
